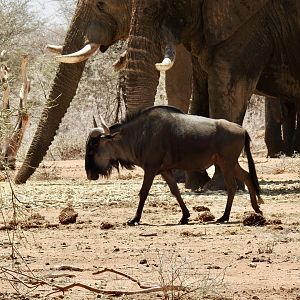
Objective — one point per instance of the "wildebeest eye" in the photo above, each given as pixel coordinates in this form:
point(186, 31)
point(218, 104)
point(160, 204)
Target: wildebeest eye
point(100, 5)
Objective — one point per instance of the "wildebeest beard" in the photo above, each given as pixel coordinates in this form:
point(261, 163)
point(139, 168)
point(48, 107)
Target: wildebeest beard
point(115, 164)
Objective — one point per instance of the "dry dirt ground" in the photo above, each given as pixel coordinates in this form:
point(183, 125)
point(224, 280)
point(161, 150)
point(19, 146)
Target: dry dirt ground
point(228, 261)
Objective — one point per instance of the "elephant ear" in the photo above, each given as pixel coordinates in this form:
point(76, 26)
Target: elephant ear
point(222, 18)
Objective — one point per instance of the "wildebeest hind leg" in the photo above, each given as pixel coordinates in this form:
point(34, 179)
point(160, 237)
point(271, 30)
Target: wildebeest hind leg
point(231, 187)
point(244, 176)
point(148, 180)
point(170, 180)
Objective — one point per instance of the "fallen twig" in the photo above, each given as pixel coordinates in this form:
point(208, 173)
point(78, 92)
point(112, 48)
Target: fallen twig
point(119, 292)
point(124, 275)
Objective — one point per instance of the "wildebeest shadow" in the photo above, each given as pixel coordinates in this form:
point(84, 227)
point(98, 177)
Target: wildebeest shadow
point(227, 224)
point(288, 187)
point(280, 187)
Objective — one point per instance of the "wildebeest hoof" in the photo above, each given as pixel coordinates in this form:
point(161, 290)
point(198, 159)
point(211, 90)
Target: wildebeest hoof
point(222, 220)
point(133, 222)
point(184, 221)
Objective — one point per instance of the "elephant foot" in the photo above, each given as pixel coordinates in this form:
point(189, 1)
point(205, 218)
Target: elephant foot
point(196, 180)
point(179, 176)
point(217, 183)
point(133, 222)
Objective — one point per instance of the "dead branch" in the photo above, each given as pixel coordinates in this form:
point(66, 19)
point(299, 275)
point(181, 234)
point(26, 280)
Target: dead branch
point(32, 281)
point(14, 142)
point(119, 292)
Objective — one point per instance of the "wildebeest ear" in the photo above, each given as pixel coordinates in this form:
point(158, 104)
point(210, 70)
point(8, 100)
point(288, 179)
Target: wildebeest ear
point(223, 18)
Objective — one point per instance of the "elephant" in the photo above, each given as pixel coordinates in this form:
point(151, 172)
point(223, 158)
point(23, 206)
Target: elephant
point(243, 47)
point(282, 129)
point(95, 25)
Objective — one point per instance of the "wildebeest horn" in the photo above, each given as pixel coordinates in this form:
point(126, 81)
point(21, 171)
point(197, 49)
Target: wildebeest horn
point(86, 52)
point(94, 122)
point(169, 59)
point(56, 49)
point(104, 126)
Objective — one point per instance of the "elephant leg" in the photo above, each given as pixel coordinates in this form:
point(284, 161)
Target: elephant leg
point(199, 106)
point(273, 120)
point(228, 98)
point(179, 80)
point(288, 127)
point(195, 180)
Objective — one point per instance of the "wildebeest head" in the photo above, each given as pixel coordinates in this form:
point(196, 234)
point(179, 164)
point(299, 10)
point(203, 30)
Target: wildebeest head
point(100, 156)
point(97, 156)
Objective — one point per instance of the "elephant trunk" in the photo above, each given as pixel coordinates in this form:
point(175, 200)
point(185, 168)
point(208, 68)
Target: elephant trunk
point(144, 50)
point(63, 91)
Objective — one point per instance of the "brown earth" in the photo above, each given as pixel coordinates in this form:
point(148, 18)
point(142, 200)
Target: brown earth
point(228, 261)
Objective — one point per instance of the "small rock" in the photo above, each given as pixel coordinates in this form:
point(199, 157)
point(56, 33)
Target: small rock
point(143, 261)
point(252, 265)
point(106, 226)
point(205, 216)
point(213, 268)
point(68, 215)
point(255, 297)
point(279, 227)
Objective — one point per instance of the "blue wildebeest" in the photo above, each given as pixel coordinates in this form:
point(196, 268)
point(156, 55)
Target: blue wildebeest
point(162, 138)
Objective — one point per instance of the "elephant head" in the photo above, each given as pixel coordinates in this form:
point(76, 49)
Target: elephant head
point(95, 25)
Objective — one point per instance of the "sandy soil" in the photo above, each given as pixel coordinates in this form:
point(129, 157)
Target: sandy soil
point(228, 261)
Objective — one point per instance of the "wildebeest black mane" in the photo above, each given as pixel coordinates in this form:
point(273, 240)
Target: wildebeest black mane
point(116, 163)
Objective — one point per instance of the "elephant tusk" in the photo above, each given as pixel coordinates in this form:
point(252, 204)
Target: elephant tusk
point(169, 59)
point(56, 49)
point(165, 65)
point(79, 56)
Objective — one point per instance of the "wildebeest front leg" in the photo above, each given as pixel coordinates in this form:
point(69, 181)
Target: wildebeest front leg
point(170, 180)
point(148, 180)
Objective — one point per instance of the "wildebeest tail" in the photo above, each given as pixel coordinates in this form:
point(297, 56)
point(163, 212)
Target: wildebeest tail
point(251, 165)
